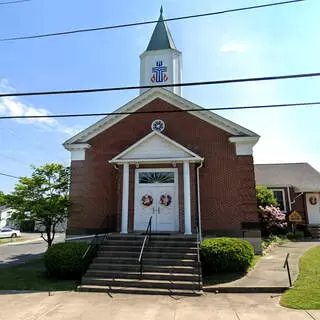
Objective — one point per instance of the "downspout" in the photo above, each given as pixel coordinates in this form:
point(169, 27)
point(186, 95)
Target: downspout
point(294, 200)
point(198, 198)
point(289, 198)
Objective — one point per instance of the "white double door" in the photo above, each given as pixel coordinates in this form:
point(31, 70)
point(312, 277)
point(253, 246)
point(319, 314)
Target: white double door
point(156, 196)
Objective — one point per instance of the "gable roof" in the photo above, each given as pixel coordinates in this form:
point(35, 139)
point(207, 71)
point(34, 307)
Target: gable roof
point(161, 37)
point(156, 146)
point(168, 96)
point(301, 176)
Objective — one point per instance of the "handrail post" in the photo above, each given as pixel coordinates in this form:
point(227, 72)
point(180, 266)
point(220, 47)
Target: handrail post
point(286, 264)
point(146, 237)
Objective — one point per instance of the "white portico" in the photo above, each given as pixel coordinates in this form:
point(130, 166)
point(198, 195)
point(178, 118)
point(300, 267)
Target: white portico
point(156, 189)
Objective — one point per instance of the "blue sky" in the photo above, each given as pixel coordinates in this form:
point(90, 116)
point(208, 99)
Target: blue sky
point(271, 41)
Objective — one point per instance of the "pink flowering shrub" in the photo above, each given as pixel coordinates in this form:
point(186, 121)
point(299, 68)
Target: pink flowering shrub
point(273, 220)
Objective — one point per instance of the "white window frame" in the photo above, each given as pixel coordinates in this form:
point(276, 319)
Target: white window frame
point(283, 197)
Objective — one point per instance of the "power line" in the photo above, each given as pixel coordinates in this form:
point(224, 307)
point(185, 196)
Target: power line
point(186, 84)
point(8, 175)
point(74, 115)
point(13, 2)
point(146, 22)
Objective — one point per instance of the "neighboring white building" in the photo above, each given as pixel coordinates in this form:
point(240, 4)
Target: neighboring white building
point(60, 227)
point(5, 214)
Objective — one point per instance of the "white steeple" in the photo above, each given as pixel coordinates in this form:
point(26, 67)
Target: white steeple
point(161, 63)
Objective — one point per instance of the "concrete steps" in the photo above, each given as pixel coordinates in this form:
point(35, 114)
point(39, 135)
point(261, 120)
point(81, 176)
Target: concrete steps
point(170, 266)
point(133, 290)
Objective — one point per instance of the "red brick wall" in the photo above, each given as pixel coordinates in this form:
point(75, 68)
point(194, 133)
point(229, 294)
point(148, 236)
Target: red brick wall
point(226, 180)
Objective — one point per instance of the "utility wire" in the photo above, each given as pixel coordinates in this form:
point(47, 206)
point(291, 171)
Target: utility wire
point(186, 84)
point(13, 2)
point(8, 175)
point(75, 115)
point(146, 22)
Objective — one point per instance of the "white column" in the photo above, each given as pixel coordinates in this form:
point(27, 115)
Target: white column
point(125, 198)
point(187, 202)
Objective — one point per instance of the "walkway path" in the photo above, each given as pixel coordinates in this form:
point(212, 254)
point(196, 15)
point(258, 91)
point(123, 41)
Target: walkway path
point(269, 274)
point(75, 306)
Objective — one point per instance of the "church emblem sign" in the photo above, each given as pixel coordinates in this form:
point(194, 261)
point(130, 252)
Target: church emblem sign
point(159, 73)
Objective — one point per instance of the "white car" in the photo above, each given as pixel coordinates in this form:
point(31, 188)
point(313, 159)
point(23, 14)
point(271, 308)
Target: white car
point(9, 233)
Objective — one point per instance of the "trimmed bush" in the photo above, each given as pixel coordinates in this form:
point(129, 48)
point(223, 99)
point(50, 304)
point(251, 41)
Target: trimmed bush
point(220, 255)
point(64, 260)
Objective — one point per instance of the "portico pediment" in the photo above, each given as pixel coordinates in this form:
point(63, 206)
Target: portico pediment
point(156, 148)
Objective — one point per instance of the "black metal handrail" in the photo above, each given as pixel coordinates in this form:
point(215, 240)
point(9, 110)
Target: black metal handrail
point(286, 264)
point(199, 260)
point(147, 237)
point(94, 240)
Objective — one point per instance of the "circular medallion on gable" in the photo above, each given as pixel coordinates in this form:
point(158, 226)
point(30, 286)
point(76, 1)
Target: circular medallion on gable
point(158, 125)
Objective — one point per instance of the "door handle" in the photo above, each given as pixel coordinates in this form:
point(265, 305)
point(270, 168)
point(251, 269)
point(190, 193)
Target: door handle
point(153, 210)
point(158, 210)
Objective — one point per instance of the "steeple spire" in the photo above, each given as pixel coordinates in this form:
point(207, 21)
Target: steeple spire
point(161, 63)
point(161, 38)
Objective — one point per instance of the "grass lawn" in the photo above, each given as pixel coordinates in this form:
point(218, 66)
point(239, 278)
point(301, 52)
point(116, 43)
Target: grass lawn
point(32, 276)
point(228, 277)
point(306, 291)
point(9, 240)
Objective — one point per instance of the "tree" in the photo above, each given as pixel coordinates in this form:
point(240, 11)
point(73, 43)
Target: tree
point(42, 198)
point(265, 197)
point(3, 199)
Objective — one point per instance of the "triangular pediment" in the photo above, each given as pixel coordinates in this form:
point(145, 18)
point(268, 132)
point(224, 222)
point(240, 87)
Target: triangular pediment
point(156, 147)
point(165, 95)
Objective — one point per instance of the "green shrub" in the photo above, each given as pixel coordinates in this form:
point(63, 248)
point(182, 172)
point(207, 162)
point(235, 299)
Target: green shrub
point(226, 255)
point(297, 236)
point(64, 260)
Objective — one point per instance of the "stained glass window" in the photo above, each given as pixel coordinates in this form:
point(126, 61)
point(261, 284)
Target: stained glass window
point(156, 177)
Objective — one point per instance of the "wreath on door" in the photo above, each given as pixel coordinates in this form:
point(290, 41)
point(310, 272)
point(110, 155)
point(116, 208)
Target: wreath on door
point(147, 200)
point(165, 200)
point(313, 200)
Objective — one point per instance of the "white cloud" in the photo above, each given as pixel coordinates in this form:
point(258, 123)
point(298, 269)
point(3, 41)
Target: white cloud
point(234, 47)
point(12, 106)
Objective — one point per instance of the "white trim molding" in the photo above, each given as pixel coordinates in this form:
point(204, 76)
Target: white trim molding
point(244, 145)
point(184, 153)
point(125, 199)
point(78, 150)
point(171, 98)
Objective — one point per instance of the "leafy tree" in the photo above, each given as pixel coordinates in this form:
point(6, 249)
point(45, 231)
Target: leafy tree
point(42, 198)
point(265, 197)
point(3, 199)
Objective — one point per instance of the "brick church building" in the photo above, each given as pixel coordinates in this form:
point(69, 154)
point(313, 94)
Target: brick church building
point(164, 157)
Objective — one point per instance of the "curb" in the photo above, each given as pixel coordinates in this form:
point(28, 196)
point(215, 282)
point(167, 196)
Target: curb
point(217, 289)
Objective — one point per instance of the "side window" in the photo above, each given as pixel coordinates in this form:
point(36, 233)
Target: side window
point(279, 195)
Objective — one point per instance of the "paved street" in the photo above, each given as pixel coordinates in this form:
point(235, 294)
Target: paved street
point(16, 252)
point(74, 305)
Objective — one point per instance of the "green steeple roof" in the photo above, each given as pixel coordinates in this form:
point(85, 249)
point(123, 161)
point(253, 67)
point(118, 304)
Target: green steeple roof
point(161, 37)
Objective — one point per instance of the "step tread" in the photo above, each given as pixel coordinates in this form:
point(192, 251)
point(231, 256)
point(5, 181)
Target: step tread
point(149, 252)
point(142, 281)
point(144, 273)
point(138, 290)
point(148, 259)
point(137, 265)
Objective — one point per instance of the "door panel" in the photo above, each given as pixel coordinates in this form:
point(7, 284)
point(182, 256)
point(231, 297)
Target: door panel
point(166, 213)
point(313, 207)
point(144, 208)
point(156, 195)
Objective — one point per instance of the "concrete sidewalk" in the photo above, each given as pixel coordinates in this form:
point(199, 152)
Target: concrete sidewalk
point(269, 274)
point(79, 305)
